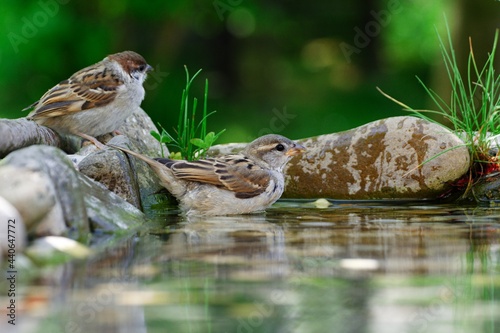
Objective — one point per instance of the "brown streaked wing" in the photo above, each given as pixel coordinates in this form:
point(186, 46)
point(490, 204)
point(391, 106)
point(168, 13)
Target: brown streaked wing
point(91, 87)
point(238, 175)
point(202, 171)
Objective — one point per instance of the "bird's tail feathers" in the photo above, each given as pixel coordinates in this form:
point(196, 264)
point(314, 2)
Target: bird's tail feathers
point(165, 175)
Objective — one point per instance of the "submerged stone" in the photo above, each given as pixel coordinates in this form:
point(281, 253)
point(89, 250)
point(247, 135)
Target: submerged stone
point(397, 158)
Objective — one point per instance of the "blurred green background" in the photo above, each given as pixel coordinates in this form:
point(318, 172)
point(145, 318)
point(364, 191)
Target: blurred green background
point(291, 67)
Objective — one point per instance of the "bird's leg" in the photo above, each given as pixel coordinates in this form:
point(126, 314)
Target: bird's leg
point(93, 140)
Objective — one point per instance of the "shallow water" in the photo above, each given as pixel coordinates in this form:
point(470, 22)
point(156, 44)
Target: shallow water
point(351, 267)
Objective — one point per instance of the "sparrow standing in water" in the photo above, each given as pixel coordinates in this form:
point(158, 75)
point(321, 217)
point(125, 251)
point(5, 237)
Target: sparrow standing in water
point(233, 184)
point(95, 100)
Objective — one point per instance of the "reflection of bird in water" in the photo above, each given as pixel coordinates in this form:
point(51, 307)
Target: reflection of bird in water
point(240, 239)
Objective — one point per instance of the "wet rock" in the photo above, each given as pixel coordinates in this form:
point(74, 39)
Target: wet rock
point(137, 129)
point(55, 199)
point(135, 182)
point(487, 189)
point(399, 157)
point(106, 210)
point(53, 249)
point(12, 230)
point(57, 182)
point(112, 169)
point(33, 195)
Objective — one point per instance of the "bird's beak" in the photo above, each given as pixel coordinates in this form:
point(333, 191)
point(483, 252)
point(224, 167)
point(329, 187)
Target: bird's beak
point(149, 68)
point(295, 150)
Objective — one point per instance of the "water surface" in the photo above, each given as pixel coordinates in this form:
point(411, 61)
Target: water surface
point(351, 267)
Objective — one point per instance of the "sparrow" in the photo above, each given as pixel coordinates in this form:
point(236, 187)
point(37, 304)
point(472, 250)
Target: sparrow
point(232, 184)
point(95, 100)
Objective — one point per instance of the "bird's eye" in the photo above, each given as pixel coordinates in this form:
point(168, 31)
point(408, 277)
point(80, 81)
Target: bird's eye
point(280, 147)
point(142, 68)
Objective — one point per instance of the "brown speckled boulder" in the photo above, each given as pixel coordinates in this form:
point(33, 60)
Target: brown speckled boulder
point(399, 157)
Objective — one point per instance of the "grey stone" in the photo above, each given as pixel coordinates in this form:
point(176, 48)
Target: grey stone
point(45, 249)
point(226, 149)
point(486, 189)
point(111, 168)
point(12, 230)
point(135, 182)
point(399, 157)
point(106, 210)
point(137, 128)
point(147, 181)
point(32, 193)
point(58, 200)
point(69, 205)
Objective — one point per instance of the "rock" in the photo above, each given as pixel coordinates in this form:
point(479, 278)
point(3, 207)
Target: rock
point(112, 169)
point(106, 210)
point(399, 157)
point(136, 184)
point(486, 190)
point(132, 181)
point(12, 230)
point(393, 158)
point(56, 176)
point(46, 248)
point(41, 182)
point(20, 133)
point(32, 193)
point(137, 128)
point(226, 149)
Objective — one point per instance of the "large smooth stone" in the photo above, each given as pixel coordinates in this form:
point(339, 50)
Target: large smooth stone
point(12, 230)
point(33, 195)
point(399, 157)
point(54, 199)
point(61, 205)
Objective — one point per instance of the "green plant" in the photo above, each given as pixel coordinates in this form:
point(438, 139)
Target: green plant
point(474, 106)
point(191, 139)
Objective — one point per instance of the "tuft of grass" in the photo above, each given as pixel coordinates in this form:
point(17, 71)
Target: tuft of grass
point(473, 108)
point(191, 138)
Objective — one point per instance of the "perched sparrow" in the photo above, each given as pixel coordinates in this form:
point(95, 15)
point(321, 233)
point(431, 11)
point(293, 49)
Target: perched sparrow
point(233, 184)
point(95, 100)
